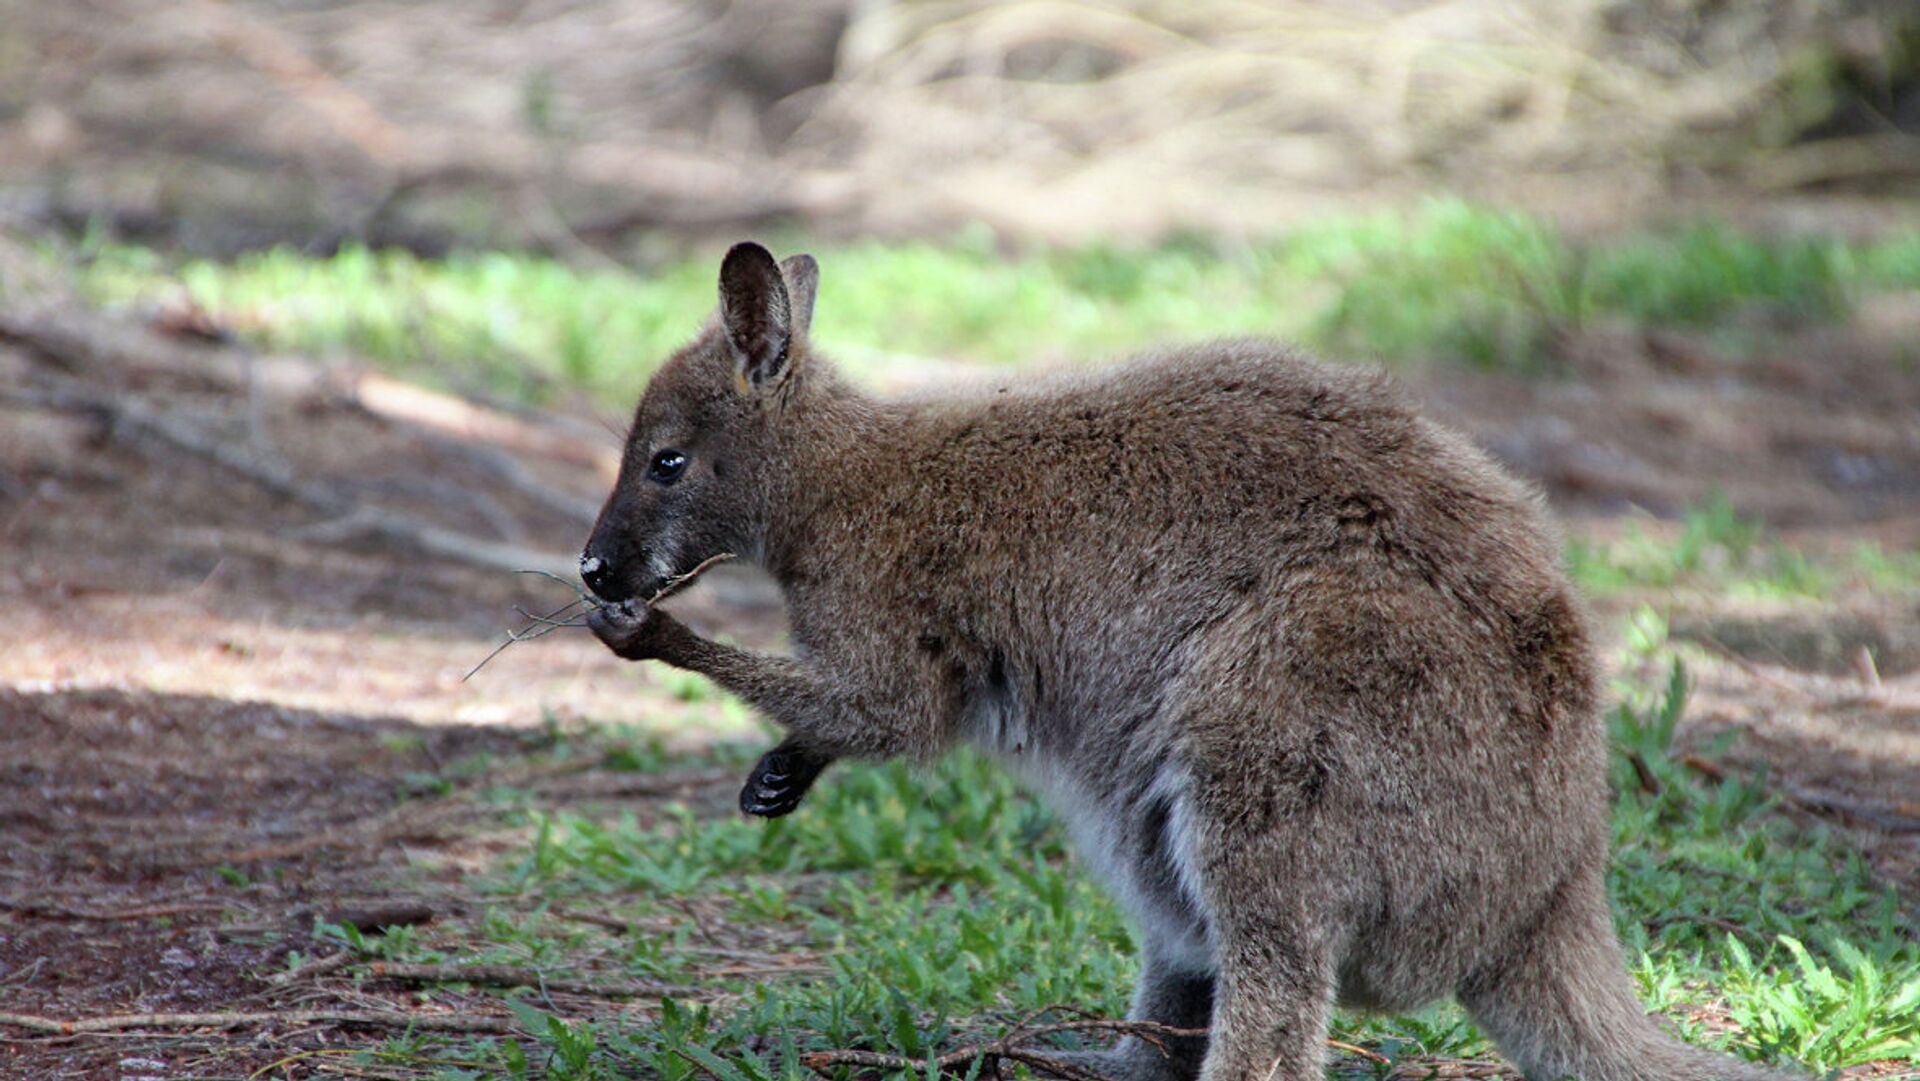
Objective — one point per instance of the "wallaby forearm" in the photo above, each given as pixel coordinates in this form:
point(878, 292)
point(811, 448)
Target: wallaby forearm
point(831, 722)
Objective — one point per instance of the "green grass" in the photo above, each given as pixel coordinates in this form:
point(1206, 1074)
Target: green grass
point(1715, 551)
point(1446, 280)
point(946, 906)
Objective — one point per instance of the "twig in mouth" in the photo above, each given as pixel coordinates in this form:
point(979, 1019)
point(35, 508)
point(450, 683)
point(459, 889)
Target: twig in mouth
point(551, 619)
point(680, 581)
point(539, 626)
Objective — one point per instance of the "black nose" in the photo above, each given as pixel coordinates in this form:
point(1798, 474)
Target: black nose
point(598, 574)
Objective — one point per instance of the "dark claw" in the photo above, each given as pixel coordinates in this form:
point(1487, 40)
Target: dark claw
point(780, 780)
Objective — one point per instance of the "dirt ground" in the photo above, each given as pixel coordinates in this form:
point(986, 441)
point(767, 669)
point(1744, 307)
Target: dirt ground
point(222, 718)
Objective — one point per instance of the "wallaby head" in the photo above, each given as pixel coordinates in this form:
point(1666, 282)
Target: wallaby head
point(696, 477)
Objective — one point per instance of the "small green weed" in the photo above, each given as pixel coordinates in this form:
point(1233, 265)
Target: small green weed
point(1855, 1014)
point(1717, 550)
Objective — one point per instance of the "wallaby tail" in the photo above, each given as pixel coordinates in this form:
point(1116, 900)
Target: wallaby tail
point(1561, 1005)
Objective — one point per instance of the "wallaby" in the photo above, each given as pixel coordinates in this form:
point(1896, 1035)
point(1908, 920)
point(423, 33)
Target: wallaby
point(1297, 667)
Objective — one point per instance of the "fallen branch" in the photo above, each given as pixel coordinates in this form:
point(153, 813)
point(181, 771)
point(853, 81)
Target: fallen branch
point(130, 421)
point(611, 923)
point(438, 1022)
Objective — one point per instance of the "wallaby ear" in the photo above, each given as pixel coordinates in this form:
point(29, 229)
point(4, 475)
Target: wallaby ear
point(802, 276)
point(755, 315)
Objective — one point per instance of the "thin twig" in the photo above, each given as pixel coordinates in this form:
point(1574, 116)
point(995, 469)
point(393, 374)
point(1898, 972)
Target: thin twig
point(611, 923)
point(311, 969)
point(693, 914)
point(441, 1022)
point(509, 976)
point(1006, 1047)
point(1011, 1047)
point(680, 581)
point(1356, 1049)
point(1898, 818)
point(1660, 923)
point(1649, 782)
point(539, 626)
point(48, 909)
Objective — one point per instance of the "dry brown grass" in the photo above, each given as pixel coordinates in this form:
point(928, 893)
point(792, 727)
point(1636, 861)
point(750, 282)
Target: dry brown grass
point(1057, 118)
point(570, 125)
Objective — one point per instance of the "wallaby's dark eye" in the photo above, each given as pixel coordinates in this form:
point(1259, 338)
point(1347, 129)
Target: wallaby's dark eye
point(667, 465)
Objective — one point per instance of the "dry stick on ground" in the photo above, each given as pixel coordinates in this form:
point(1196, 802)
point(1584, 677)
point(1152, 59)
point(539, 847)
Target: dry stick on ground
point(1900, 818)
point(1730, 927)
point(611, 923)
point(508, 976)
point(1010, 1047)
point(439, 1022)
point(48, 909)
point(129, 420)
point(315, 968)
point(405, 820)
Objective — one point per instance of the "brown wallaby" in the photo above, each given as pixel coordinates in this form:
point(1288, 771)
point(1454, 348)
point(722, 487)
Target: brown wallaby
point(1296, 666)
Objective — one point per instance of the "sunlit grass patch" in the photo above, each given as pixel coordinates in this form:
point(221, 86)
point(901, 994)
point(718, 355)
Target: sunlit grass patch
point(1715, 549)
point(1446, 280)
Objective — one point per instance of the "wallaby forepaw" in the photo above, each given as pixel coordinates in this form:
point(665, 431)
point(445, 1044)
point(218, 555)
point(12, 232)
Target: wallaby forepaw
point(779, 782)
point(633, 629)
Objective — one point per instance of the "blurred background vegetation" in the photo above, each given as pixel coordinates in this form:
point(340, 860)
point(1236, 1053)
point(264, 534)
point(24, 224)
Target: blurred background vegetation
point(579, 128)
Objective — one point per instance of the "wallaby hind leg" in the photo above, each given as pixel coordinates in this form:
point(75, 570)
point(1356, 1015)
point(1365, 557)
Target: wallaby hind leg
point(1167, 994)
point(1271, 1005)
point(1561, 1004)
